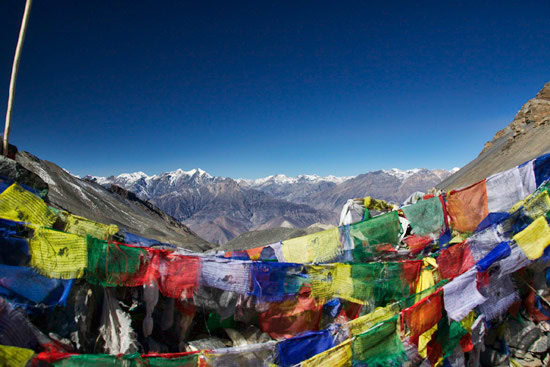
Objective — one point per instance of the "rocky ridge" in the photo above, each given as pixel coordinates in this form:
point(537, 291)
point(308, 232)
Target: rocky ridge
point(526, 137)
point(111, 206)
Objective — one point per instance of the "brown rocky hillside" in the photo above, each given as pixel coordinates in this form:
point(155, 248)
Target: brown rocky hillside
point(525, 138)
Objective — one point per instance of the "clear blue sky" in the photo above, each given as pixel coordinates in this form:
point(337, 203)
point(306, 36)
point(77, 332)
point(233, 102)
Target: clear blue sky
point(248, 89)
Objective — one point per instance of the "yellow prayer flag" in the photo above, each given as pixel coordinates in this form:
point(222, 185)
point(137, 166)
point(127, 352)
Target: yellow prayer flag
point(423, 341)
point(15, 356)
point(58, 254)
point(338, 356)
point(537, 206)
point(426, 281)
point(364, 323)
point(427, 278)
point(331, 280)
point(321, 281)
point(468, 321)
point(296, 250)
point(313, 248)
point(343, 283)
point(534, 239)
point(376, 204)
point(20, 205)
point(85, 227)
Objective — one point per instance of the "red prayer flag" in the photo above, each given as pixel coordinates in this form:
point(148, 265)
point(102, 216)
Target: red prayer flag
point(467, 207)
point(411, 272)
point(179, 275)
point(417, 243)
point(424, 314)
point(455, 260)
point(286, 319)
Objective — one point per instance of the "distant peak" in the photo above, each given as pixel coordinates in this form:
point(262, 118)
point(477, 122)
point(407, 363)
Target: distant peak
point(281, 178)
point(194, 171)
point(133, 176)
point(402, 174)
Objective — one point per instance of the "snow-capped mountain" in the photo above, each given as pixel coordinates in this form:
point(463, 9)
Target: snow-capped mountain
point(148, 187)
point(284, 179)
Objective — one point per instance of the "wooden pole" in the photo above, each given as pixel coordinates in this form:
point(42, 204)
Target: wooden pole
point(14, 70)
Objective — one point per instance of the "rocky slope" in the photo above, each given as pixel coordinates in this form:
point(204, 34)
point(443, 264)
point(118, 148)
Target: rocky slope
point(114, 206)
point(525, 138)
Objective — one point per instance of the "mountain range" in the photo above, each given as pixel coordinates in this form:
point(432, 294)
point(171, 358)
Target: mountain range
point(220, 208)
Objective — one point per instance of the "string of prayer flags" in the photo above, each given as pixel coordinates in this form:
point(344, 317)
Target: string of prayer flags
point(58, 254)
point(20, 205)
point(468, 206)
point(379, 346)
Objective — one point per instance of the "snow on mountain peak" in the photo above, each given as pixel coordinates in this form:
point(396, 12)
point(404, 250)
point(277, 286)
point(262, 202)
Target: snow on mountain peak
point(193, 172)
point(133, 176)
point(402, 174)
point(284, 179)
